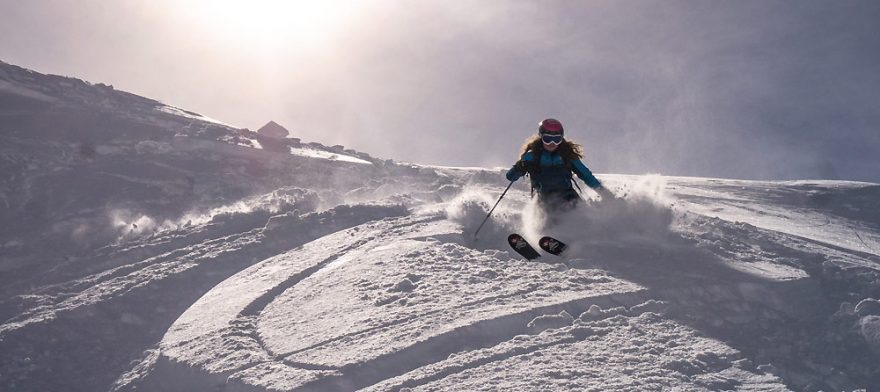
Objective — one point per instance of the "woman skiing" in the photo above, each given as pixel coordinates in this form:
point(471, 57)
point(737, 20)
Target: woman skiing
point(549, 160)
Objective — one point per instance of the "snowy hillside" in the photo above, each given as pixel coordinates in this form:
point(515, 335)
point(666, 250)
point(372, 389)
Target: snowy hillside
point(149, 248)
point(85, 165)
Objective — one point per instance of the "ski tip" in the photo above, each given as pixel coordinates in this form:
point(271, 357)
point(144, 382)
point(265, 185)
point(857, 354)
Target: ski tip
point(552, 245)
point(521, 246)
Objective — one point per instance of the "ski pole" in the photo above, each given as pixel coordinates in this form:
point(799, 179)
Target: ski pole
point(580, 191)
point(493, 209)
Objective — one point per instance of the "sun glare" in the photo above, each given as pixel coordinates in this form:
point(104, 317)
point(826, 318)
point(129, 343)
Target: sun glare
point(272, 23)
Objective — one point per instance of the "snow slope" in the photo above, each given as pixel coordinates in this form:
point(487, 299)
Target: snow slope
point(281, 271)
point(678, 300)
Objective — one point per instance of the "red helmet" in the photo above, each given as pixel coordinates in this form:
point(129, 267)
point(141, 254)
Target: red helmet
point(550, 126)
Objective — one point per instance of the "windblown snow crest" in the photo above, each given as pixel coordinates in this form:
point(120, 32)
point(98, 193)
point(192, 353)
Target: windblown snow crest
point(258, 209)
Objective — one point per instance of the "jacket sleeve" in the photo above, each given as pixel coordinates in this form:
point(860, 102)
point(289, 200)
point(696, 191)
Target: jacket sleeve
point(585, 174)
point(519, 168)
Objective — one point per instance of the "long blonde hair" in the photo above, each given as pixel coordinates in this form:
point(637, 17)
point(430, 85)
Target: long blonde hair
point(568, 149)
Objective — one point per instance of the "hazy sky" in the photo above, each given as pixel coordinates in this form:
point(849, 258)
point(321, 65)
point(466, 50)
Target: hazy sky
point(741, 89)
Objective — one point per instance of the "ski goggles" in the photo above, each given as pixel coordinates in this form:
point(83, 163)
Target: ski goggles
point(551, 139)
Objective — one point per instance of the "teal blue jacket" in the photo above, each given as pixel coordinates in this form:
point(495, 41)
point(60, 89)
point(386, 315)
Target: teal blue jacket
point(550, 173)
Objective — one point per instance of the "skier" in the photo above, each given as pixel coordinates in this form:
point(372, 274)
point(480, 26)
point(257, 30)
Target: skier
point(549, 160)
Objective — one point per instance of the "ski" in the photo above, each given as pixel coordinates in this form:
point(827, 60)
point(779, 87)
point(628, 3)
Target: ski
point(521, 246)
point(552, 245)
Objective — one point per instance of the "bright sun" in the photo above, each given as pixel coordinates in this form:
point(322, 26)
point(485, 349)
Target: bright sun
point(272, 23)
